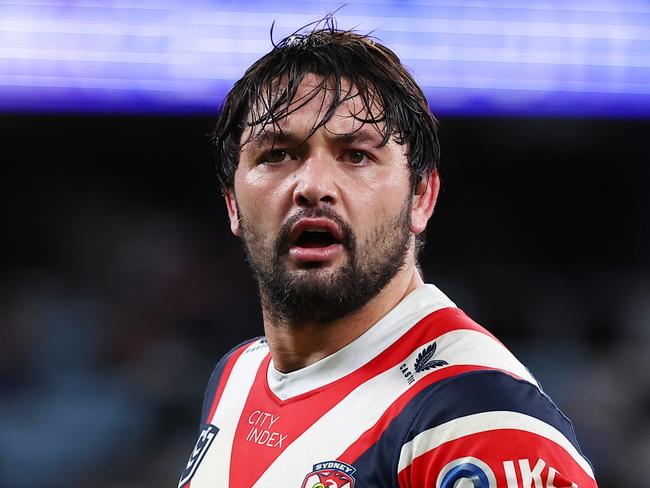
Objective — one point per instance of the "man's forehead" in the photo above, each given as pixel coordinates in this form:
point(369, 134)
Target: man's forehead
point(367, 133)
point(315, 99)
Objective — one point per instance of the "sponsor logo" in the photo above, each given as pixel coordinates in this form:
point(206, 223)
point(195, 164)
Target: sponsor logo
point(534, 475)
point(330, 474)
point(262, 431)
point(208, 433)
point(423, 362)
point(425, 359)
point(470, 472)
point(467, 472)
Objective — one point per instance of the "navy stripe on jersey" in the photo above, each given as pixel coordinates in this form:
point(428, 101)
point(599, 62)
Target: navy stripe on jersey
point(449, 399)
point(215, 379)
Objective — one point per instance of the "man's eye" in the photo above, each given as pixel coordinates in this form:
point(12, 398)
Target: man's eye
point(276, 156)
point(357, 157)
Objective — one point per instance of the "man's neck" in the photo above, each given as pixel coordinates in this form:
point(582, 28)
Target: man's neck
point(296, 346)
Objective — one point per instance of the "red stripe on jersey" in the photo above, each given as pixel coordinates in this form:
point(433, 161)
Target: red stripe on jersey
point(268, 425)
point(264, 430)
point(224, 378)
point(517, 458)
point(462, 321)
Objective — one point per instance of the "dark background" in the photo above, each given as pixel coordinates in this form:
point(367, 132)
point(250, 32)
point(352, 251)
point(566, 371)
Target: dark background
point(121, 285)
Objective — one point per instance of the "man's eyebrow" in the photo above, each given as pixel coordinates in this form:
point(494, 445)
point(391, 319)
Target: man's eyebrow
point(360, 136)
point(266, 138)
point(270, 138)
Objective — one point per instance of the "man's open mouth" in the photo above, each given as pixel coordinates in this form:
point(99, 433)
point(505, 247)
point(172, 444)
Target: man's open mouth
point(315, 239)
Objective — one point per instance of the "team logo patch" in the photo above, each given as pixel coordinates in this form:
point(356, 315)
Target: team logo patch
point(467, 472)
point(330, 474)
point(208, 433)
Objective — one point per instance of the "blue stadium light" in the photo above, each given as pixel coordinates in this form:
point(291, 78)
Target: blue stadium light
point(566, 58)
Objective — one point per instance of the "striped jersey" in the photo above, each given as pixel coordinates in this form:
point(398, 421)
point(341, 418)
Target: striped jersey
point(424, 398)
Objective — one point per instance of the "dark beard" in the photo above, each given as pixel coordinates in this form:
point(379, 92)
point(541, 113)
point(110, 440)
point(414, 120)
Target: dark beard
point(315, 295)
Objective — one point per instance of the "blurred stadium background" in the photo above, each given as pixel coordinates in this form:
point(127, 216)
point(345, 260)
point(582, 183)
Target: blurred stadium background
point(120, 285)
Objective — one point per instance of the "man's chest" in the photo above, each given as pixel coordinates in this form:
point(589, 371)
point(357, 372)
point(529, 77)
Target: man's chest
point(252, 438)
point(299, 443)
point(261, 456)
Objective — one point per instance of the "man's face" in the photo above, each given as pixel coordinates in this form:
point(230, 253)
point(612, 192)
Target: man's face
point(326, 221)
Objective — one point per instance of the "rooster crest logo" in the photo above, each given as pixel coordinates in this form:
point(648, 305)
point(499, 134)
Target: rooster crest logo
point(425, 359)
point(330, 474)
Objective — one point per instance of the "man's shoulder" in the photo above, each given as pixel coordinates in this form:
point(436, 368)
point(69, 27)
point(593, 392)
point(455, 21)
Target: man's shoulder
point(467, 371)
point(481, 408)
point(449, 339)
point(493, 425)
point(254, 350)
point(247, 349)
point(486, 399)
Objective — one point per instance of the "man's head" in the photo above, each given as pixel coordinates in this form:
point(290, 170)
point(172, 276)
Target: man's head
point(262, 96)
point(327, 154)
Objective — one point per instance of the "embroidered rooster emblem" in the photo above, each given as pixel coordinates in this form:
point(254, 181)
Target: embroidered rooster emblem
point(330, 474)
point(332, 479)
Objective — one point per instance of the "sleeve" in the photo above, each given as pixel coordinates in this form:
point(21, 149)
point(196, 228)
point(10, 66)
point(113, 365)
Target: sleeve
point(487, 429)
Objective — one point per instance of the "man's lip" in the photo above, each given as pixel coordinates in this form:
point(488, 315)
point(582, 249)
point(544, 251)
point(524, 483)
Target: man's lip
point(320, 223)
point(315, 254)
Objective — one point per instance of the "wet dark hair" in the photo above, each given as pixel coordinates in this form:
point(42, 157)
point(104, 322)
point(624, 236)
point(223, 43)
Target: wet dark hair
point(351, 65)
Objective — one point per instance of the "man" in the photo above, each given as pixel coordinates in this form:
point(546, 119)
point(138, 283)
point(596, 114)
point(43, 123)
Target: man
point(366, 376)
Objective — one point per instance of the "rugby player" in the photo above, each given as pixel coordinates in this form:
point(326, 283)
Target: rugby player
point(366, 376)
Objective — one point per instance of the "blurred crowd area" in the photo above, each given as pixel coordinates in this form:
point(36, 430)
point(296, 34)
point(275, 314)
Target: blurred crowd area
point(104, 357)
point(119, 303)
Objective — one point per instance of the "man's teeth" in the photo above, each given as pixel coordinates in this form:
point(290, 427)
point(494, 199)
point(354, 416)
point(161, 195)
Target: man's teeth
point(316, 230)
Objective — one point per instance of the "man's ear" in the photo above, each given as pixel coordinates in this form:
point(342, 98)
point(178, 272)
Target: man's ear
point(424, 200)
point(233, 212)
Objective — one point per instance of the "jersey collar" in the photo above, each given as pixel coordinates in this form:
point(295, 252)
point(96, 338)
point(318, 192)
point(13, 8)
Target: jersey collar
point(416, 305)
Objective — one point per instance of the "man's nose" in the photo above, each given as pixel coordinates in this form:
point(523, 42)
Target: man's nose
point(316, 182)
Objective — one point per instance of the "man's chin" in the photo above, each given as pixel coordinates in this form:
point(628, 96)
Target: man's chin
point(315, 273)
point(317, 295)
